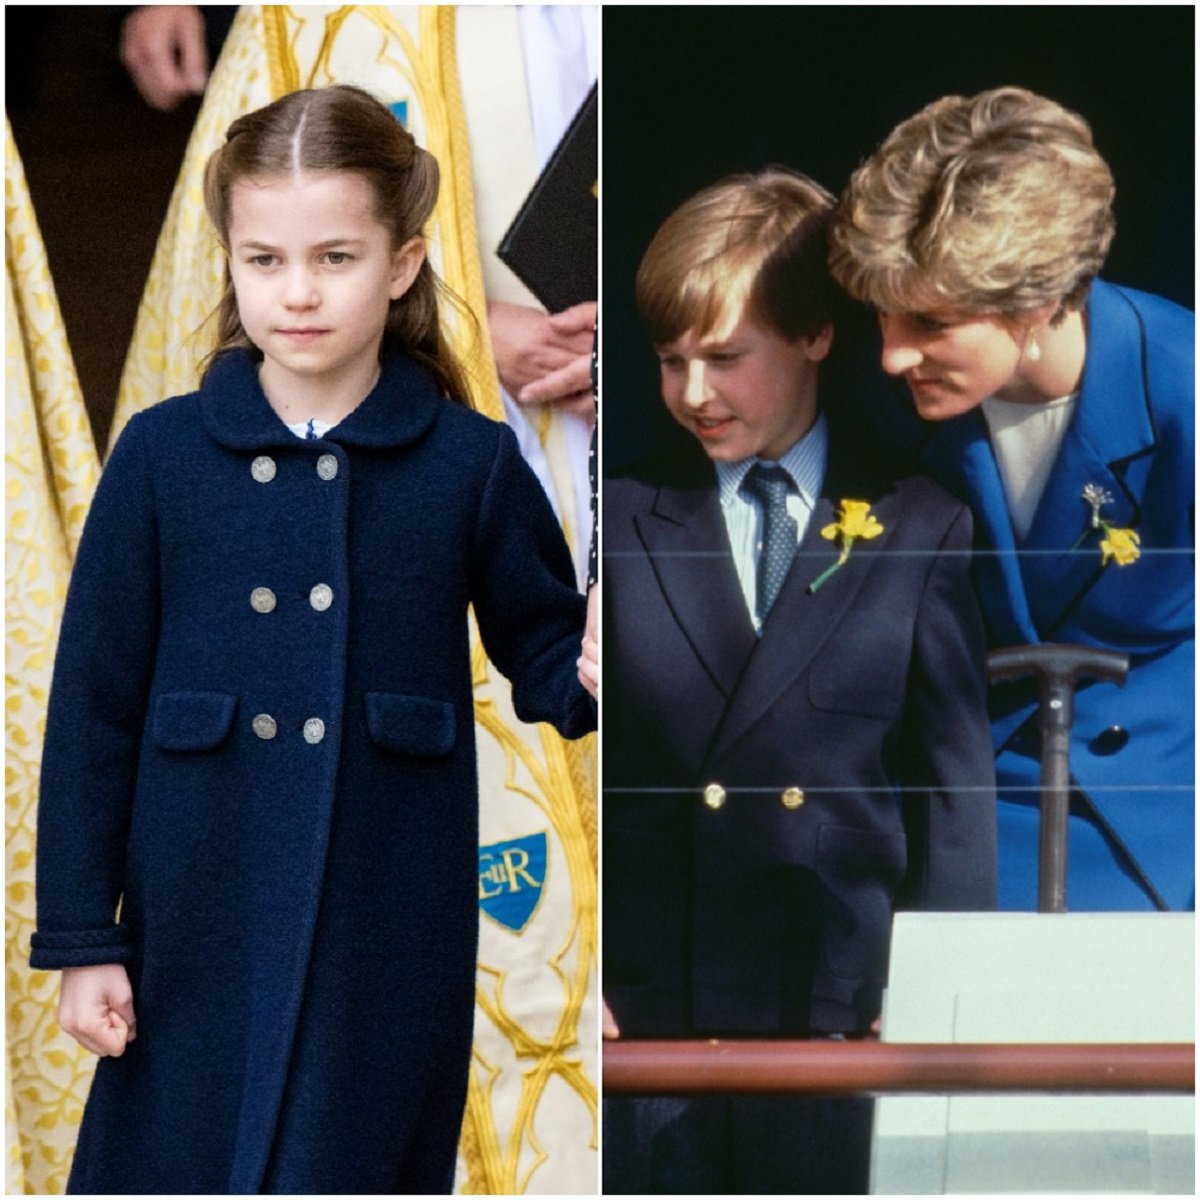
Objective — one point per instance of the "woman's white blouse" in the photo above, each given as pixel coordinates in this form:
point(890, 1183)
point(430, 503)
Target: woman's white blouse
point(1025, 440)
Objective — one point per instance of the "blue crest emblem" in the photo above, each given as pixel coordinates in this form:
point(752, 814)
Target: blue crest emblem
point(511, 875)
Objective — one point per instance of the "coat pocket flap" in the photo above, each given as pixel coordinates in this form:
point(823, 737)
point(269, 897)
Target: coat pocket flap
point(410, 724)
point(192, 720)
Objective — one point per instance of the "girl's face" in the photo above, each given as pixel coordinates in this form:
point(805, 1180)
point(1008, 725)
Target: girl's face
point(314, 271)
point(953, 362)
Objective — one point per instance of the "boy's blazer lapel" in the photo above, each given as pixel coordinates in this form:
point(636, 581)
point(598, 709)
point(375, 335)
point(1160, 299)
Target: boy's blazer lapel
point(800, 622)
point(685, 536)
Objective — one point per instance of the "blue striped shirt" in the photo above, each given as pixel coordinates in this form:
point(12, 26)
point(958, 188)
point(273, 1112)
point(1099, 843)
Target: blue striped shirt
point(805, 463)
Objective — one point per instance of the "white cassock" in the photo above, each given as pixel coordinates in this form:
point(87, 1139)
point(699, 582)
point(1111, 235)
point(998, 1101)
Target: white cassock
point(523, 81)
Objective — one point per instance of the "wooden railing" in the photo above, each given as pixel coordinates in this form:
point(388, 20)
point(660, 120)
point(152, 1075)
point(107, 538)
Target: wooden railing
point(829, 1067)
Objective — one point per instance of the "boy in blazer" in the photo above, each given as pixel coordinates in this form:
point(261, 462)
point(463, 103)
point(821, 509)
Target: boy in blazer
point(796, 737)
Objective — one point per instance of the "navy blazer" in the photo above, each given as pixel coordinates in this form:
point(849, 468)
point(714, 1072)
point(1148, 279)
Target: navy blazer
point(1132, 753)
point(755, 839)
point(260, 744)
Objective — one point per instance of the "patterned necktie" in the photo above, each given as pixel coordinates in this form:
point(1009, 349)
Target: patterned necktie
point(770, 486)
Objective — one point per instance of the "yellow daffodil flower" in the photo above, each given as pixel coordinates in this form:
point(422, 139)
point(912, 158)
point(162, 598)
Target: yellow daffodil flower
point(855, 520)
point(1120, 545)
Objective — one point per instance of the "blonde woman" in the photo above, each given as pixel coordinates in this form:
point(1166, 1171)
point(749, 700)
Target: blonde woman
point(1061, 409)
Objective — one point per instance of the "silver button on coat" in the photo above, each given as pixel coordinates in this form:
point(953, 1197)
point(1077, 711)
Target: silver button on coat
point(327, 466)
point(314, 730)
point(263, 468)
point(264, 725)
point(714, 796)
point(321, 597)
point(262, 600)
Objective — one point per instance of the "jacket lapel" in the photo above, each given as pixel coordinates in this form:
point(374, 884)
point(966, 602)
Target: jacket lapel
point(959, 453)
point(800, 621)
point(1110, 428)
point(685, 536)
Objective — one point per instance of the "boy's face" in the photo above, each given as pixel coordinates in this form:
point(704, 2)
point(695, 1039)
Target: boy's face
point(742, 390)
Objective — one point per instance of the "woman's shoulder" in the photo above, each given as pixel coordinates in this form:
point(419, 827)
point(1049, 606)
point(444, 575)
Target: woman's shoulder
point(1157, 308)
point(1167, 337)
point(1168, 329)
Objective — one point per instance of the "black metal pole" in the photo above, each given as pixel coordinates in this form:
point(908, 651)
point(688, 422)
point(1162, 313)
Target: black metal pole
point(1058, 666)
point(1054, 720)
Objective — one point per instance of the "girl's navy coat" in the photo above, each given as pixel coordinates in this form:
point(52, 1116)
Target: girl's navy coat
point(281, 794)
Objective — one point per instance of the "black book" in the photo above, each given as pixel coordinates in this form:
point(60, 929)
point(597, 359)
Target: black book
point(551, 245)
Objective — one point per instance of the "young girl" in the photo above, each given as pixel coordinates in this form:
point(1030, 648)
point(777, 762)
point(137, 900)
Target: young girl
point(258, 825)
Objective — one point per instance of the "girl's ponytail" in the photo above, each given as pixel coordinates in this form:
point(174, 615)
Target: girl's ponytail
point(414, 323)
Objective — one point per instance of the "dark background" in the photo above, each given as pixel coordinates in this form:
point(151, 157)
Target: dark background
point(692, 93)
point(101, 165)
point(689, 94)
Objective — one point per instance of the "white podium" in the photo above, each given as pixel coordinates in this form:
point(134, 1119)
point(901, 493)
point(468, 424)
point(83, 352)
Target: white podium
point(1031, 977)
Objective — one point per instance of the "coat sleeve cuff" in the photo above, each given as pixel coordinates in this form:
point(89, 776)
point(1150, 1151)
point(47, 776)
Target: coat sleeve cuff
point(81, 948)
point(576, 716)
point(581, 720)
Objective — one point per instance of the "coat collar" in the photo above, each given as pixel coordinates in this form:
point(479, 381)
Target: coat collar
point(1111, 427)
point(399, 409)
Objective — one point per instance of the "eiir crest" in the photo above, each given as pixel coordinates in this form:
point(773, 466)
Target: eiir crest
point(511, 875)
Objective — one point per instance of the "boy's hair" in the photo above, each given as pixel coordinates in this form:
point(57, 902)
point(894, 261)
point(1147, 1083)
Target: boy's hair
point(342, 128)
point(999, 203)
point(752, 243)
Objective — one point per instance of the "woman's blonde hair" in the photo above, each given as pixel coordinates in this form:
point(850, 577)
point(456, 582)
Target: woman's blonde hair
point(342, 128)
point(752, 243)
point(995, 204)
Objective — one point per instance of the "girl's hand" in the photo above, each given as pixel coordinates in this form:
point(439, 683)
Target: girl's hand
point(95, 1007)
point(608, 1023)
point(588, 662)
